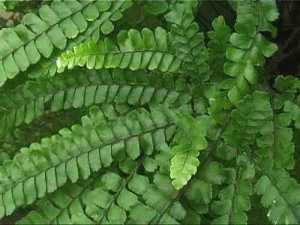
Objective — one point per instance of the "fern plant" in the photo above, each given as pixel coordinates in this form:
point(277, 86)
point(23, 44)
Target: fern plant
point(169, 124)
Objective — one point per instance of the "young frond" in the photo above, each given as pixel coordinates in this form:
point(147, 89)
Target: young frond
point(188, 142)
point(145, 49)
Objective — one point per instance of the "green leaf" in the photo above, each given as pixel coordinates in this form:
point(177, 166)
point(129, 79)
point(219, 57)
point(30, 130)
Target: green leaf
point(107, 27)
point(280, 195)
point(156, 7)
point(189, 141)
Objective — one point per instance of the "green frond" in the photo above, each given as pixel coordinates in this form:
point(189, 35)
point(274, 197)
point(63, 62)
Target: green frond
point(187, 41)
point(39, 34)
point(234, 199)
point(133, 199)
point(287, 84)
point(134, 50)
point(280, 195)
point(217, 45)
point(283, 145)
point(249, 47)
point(293, 112)
point(251, 119)
point(77, 152)
point(33, 99)
point(57, 208)
point(166, 124)
point(188, 142)
point(156, 7)
point(48, 67)
point(255, 122)
point(24, 135)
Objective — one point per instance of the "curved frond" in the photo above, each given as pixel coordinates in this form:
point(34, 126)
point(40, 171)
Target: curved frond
point(33, 99)
point(34, 132)
point(187, 41)
point(234, 199)
point(133, 199)
point(188, 142)
point(39, 34)
point(48, 67)
point(134, 50)
point(280, 195)
point(249, 47)
point(217, 45)
point(256, 122)
point(77, 152)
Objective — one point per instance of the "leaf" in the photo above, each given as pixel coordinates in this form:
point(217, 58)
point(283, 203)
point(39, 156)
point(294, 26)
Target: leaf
point(189, 141)
point(249, 48)
point(44, 161)
point(183, 166)
point(156, 7)
point(280, 196)
point(134, 50)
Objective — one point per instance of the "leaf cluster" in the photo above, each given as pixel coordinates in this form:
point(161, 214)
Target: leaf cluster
point(163, 122)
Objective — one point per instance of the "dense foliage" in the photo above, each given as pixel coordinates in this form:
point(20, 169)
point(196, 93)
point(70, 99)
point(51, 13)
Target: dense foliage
point(131, 112)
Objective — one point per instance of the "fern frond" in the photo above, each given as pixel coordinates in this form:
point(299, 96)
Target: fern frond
point(187, 41)
point(280, 195)
point(38, 35)
point(234, 199)
point(287, 84)
point(57, 208)
point(76, 153)
point(188, 142)
point(133, 199)
point(252, 118)
point(134, 50)
point(34, 132)
point(249, 47)
point(257, 123)
point(217, 45)
point(33, 99)
point(283, 145)
point(48, 67)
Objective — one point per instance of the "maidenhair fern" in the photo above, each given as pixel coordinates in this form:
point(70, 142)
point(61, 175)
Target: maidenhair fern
point(178, 124)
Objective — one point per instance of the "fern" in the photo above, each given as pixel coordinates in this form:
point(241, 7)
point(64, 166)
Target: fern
point(187, 39)
point(42, 168)
point(279, 193)
point(163, 123)
point(33, 99)
point(235, 197)
point(188, 144)
point(135, 50)
point(38, 35)
point(249, 46)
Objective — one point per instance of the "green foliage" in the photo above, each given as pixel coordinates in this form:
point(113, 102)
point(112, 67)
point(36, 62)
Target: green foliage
point(164, 123)
point(280, 194)
point(134, 50)
point(249, 47)
point(188, 142)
